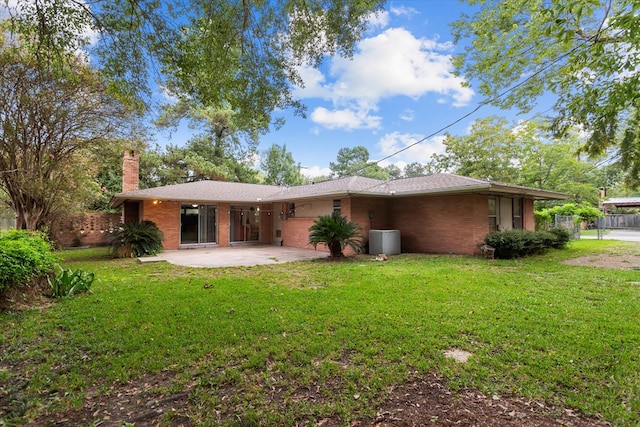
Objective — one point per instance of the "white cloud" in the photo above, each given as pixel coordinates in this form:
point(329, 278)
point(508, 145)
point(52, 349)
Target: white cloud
point(396, 63)
point(391, 143)
point(314, 171)
point(408, 115)
point(378, 20)
point(405, 11)
point(391, 64)
point(346, 119)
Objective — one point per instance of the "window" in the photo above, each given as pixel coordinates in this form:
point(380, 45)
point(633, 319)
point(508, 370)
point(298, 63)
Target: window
point(517, 213)
point(337, 205)
point(493, 216)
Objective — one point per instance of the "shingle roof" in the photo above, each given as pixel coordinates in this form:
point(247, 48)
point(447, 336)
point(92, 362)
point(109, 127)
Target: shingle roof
point(623, 201)
point(342, 186)
point(218, 191)
point(203, 191)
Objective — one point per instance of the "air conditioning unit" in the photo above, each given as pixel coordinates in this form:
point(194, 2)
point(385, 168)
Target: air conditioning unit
point(384, 242)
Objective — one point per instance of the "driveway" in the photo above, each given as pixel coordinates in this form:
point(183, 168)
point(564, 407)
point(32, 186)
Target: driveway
point(235, 256)
point(617, 234)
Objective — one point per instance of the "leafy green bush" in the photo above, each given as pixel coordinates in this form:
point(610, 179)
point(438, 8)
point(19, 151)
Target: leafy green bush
point(24, 256)
point(582, 213)
point(336, 233)
point(68, 283)
point(562, 237)
point(520, 243)
point(135, 239)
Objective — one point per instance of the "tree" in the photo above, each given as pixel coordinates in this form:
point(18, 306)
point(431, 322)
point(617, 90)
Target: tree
point(49, 120)
point(526, 154)
point(232, 54)
point(393, 171)
point(416, 169)
point(488, 152)
point(355, 162)
point(336, 233)
point(280, 167)
point(196, 161)
point(585, 52)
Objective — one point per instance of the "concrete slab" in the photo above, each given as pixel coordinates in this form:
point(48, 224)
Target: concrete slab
point(235, 256)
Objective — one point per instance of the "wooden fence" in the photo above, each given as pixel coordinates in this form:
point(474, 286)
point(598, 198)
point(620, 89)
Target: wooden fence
point(622, 221)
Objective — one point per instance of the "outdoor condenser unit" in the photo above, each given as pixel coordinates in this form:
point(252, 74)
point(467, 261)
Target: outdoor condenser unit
point(384, 242)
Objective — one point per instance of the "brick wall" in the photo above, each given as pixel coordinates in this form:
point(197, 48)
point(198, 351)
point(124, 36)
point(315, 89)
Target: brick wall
point(361, 208)
point(90, 229)
point(295, 232)
point(441, 224)
point(166, 215)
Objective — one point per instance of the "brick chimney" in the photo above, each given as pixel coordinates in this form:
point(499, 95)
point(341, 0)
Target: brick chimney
point(130, 171)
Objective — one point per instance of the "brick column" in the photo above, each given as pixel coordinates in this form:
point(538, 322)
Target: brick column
point(130, 171)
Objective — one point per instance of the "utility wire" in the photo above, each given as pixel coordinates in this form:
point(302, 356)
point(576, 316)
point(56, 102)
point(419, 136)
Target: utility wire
point(484, 103)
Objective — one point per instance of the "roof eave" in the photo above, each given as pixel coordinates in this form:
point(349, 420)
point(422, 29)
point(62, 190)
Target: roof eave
point(529, 192)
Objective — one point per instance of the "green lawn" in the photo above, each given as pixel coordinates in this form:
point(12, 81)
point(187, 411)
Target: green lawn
point(247, 342)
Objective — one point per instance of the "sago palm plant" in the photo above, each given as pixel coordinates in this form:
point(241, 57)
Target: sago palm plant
point(336, 233)
point(136, 239)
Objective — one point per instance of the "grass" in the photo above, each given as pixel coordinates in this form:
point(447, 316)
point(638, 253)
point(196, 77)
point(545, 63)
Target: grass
point(254, 343)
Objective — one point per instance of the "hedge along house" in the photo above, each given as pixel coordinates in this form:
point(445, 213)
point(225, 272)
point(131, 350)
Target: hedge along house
point(440, 213)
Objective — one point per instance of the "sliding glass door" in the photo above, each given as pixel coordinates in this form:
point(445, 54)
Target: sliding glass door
point(197, 224)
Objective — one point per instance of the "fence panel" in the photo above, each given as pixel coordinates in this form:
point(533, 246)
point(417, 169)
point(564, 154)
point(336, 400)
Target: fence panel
point(566, 221)
point(622, 221)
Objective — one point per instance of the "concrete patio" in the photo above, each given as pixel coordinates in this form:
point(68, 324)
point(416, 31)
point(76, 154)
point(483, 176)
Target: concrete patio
point(235, 256)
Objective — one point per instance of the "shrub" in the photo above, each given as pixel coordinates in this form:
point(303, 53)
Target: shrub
point(562, 237)
point(336, 233)
point(582, 213)
point(135, 239)
point(68, 283)
point(24, 256)
point(520, 243)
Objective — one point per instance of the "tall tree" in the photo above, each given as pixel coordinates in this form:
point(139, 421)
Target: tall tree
point(525, 154)
point(583, 51)
point(415, 169)
point(222, 148)
point(240, 55)
point(48, 122)
point(280, 167)
point(488, 152)
point(355, 162)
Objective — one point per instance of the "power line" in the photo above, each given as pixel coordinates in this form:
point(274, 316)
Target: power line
point(488, 101)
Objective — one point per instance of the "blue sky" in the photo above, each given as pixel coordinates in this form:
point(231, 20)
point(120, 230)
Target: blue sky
point(397, 89)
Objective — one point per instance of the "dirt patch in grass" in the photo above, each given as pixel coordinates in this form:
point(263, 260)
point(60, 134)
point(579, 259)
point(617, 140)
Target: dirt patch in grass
point(418, 402)
point(627, 258)
point(36, 294)
point(138, 403)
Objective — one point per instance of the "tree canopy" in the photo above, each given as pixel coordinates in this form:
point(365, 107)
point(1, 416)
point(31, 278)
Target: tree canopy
point(235, 54)
point(355, 161)
point(49, 121)
point(280, 167)
point(525, 154)
point(583, 51)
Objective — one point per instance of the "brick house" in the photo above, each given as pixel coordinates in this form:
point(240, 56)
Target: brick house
point(441, 213)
